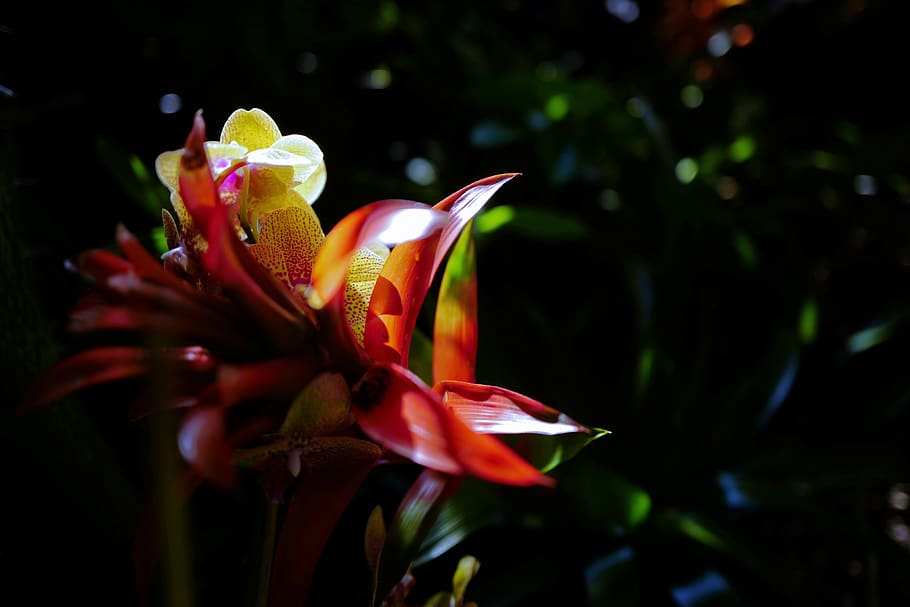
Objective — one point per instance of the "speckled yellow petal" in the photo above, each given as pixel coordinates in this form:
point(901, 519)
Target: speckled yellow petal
point(362, 274)
point(167, 165)
point(258, 207)
point(171, 231)
point(271, 258)
point(251, 128)
point(297, 233)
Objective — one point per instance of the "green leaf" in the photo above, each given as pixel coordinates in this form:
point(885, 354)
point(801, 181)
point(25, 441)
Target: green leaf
point(412, 523)
point(476, 505)
point(468, 566)
point(131, 174)
point(606, 496)
point(536, 223)
point(546, 452)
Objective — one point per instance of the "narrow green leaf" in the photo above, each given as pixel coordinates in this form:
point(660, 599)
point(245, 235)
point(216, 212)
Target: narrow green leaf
point(536, 223)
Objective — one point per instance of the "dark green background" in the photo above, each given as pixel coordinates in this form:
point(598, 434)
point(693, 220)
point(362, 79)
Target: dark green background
point(759, 449)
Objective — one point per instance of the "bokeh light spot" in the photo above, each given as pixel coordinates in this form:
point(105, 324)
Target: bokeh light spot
point(307, 62)
point(742, 34)
point(691, 96)
point(624, 10)
point(686, 170)
point(727, 187)
point(865, 185)
point(742, 148)
point(702, 70)
point(378, 78)
point(557, 107)
point(170, 103)
point(719, 43)
point(609, 200)
point(421, 171)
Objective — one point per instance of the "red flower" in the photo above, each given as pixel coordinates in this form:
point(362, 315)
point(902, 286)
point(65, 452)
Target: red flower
point(288, 350)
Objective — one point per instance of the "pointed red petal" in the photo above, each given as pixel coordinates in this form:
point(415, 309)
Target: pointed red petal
point(462, 206)
point(455, 329)
point(98, 264)
point(96, 366)
point(395, 408)
point(318, 502)
point(144, 264)
point(495, 410)
point(409, 271)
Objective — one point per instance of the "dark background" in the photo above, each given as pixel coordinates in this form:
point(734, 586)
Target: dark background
point(742, 333)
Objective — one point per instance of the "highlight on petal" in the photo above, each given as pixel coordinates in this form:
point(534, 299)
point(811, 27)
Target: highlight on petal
point(252, 128)
point(203, 445)
point(360, 228)
point(455, 325)
point(410, 269)
point(495, 410)
point(393, 407)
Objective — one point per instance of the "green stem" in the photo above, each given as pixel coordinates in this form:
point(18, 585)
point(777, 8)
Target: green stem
point(269, 531)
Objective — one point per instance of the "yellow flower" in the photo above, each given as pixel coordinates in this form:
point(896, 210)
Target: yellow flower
point(273, 179)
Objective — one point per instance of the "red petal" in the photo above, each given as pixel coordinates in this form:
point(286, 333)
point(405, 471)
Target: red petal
point(495, 410)
point(409, 271)
point(455, 329)
point(277, 379)
point(462, 206)
point(330, 268)
point(395, 408)
point(99, 264)
point(318, 502)
point(203, 444)
point(145, 265)
point(361, 227)
point(96, 366)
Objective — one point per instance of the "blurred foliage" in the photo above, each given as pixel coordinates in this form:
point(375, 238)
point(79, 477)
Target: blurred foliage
point(707, 253)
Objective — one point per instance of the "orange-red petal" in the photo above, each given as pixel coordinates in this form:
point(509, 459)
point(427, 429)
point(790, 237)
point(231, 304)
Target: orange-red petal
point(455, 327)
point(394, 407)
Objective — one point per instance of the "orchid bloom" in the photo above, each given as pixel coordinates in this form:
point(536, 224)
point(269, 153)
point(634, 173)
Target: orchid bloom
point(288, 347)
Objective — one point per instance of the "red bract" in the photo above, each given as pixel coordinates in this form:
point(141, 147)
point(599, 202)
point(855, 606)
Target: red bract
point(252, 307)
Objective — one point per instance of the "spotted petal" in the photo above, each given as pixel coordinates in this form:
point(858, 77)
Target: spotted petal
point(253, 129)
